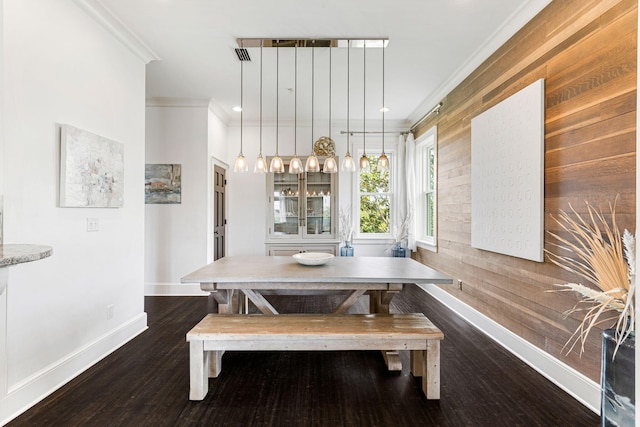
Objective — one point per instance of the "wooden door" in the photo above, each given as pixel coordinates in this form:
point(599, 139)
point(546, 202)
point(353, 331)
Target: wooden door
point(219, 220)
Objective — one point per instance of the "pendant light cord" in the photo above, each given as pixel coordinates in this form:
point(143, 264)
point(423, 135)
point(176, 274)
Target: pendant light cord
point(383, 104)
point(241, 96)
point(364, 98)
point(348, 93)
point(329, 92)
point(295, 102)
point(313, 67)
point(261, 43)
point(277, 94)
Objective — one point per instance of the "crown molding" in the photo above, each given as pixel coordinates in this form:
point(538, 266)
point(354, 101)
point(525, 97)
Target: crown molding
point(511, 26)
point(169, 102)
point(113, 25)
point(219, 112)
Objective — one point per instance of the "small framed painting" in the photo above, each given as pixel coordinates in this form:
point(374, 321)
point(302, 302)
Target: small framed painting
point(162, 184)
point(91, 170)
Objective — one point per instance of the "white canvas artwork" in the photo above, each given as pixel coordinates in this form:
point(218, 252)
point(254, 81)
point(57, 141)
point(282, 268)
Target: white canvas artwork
point(507, 176)
point(91, 170)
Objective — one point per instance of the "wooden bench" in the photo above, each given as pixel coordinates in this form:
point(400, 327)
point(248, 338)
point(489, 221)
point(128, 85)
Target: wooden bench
point(217, 333)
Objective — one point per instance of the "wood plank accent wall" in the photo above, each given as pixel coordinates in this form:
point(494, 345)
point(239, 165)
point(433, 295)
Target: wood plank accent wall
point(586, 52)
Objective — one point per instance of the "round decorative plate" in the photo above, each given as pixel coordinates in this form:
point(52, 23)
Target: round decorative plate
point(312, 258)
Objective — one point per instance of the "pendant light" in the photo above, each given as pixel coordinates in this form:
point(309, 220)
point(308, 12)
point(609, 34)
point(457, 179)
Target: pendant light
point(295, 165)
point(241, 163)
point(330, 165)
point(348, 165)
point(261, 163)
point(277, 166)
point(312, 164)
point(364, 160)
point(383, 160)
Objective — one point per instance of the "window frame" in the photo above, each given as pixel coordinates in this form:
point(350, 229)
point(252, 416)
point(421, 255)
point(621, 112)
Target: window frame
point(376, 150)
point(426, 143)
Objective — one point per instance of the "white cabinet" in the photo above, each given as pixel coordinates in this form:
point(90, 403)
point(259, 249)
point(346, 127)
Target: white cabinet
point(302, 212)
point(278, 249)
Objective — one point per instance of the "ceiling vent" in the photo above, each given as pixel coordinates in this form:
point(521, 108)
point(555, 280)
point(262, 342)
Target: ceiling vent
point(243, 54)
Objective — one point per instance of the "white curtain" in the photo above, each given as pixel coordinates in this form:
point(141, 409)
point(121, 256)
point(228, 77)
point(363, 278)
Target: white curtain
point(407, 186)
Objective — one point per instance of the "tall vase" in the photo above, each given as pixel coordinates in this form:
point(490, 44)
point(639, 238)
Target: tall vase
point(398, 251)
point(617, 406)
point(347, 249)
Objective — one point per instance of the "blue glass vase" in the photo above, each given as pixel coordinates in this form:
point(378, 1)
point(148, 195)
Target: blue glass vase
point(398, 251)
point(346, 250)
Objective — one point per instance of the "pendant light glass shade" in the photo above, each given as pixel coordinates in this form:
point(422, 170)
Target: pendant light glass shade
point(330, 165)
point(261, 164)
point(312, 164)
point(383, 162)
point(348, 165)
point(277, 165)
point(365, 166)
point(295, 165)
point(240, 164)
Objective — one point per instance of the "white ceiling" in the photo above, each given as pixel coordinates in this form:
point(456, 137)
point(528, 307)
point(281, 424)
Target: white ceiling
point(433, 45)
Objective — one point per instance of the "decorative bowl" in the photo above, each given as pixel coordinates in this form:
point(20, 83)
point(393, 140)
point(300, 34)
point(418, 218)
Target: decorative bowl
point(312, 258)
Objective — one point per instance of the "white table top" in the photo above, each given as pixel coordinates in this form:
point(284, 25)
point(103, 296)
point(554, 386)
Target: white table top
point(284, 269)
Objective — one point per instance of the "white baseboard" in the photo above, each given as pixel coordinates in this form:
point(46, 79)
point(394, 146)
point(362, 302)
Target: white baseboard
point(582, 388)
point(173, 290)
point(23, 395)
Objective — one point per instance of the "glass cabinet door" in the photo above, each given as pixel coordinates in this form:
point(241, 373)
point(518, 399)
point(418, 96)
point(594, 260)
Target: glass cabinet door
point(318, 204)
point(286, 205)
point(302, 207)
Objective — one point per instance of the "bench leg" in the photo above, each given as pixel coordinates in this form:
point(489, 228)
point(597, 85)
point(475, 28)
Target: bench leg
point(431, 370)
point(198, 370)
point(416, 362)
point(215, 363)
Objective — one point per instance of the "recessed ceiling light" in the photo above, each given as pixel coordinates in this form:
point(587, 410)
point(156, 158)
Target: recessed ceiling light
point(384, 109)
point(237, 109)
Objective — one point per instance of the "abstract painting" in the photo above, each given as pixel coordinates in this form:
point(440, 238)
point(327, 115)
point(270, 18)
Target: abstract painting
point(507, 176)
point(91, 170)
point(162, 183)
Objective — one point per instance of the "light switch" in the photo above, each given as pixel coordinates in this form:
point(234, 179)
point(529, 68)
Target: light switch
point(92, 224)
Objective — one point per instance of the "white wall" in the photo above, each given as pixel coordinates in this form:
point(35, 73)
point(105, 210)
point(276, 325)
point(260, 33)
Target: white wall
point(176, 234)
point(62, 67)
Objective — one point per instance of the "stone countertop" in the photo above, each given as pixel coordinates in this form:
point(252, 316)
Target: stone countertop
point(12, 254)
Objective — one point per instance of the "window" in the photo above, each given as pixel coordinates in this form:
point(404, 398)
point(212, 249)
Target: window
point(374, 199)
point(426, 187)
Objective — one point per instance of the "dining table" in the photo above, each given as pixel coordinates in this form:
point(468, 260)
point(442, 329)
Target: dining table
point(255, 276)
point(352, 277)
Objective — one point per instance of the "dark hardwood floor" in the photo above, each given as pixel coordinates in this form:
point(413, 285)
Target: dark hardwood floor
point(146, 382)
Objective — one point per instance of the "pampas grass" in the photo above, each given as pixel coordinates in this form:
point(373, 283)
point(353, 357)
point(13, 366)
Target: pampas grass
point(345, 226)
point(596, 251)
